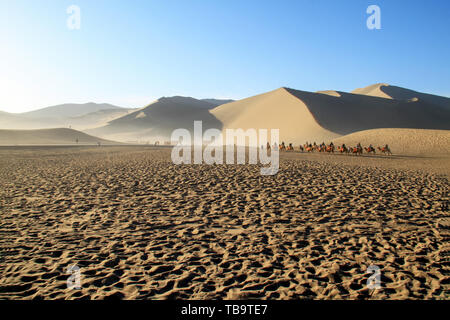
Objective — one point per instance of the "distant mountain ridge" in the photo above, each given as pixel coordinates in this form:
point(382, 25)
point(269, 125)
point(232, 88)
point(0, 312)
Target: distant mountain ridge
point(70, 110)
point(79, 116)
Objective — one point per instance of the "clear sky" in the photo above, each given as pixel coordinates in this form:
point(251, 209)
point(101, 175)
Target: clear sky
point(131, 52)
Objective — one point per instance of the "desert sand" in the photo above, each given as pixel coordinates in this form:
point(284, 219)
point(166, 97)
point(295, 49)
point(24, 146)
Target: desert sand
point(402, 141)
point(277, 109)
point(140, 227)
point(61, 136)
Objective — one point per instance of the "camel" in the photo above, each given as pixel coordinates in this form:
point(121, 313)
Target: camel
point(330, 149)
point(343, 149)
point(290, 147)
point(356, 151)
point(385, 150)
point(370, 149)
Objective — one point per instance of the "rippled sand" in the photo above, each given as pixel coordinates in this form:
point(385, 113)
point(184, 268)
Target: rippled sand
point(140, 227)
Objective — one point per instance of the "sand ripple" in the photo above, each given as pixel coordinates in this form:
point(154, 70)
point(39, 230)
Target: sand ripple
point(140, 227)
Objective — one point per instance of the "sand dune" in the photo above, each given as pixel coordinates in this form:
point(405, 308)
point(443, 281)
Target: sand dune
point(402, 141)
point(278, 109)
point(384, 90)
point(304, 116)
point(61, 136)
point(95, 119)
point(157, 120)
point(300, 115)
point(217, 102)
point(354, 112)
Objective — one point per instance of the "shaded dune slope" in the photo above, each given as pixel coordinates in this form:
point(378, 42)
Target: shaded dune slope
point(303, 116)
point(353, 112)
point(276, 109)
point(384, 90)
point(161, 118)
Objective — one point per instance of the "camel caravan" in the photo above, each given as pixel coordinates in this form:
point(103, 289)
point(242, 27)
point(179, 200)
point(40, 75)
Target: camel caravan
point(308, 147)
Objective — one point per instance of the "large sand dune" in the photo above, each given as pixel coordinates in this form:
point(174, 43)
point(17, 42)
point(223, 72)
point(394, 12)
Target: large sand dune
point(403, 141)
point(302, 115)
point(278, 109)
point(159, 119)
point(299, 115)
point(62, 136)
point(384, 90)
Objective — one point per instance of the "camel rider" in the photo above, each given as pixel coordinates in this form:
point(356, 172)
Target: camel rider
point(331, 144)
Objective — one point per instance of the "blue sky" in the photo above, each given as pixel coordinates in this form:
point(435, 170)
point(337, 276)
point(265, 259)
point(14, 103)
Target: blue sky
point(131, 52)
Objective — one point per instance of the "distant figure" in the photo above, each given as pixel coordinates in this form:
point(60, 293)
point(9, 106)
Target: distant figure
point(76, 140)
